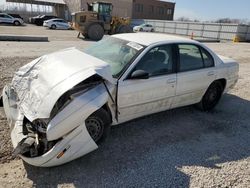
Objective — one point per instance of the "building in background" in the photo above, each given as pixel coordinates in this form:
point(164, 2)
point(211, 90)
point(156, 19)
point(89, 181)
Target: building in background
point(135, 9)
point(152, 9)
point(122, 8)
point(30, 8)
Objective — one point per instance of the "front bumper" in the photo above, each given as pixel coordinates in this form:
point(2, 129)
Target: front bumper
point(71, 146)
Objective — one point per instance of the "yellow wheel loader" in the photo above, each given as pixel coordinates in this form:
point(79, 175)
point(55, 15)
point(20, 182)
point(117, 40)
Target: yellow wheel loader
point(98, 20)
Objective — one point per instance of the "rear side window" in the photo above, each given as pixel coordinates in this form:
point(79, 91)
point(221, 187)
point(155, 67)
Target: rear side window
point(207, 58)
point(190, 58)
point(193, 57)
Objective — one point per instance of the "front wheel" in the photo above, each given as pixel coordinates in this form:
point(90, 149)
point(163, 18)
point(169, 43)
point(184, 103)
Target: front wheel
point(98, 125)
point(211, 97)
point(53, 26)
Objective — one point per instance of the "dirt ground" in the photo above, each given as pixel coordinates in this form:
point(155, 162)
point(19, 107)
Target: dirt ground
point(177, 148)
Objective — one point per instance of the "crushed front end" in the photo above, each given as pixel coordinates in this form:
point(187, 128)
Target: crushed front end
point(47, 112)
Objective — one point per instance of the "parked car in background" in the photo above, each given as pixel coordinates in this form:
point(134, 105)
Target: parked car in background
point(32, 19)
point(16, 16)
point(39, 20)
point(7, 19)
point(144, 27)
point(61, 105)
point(56, 23)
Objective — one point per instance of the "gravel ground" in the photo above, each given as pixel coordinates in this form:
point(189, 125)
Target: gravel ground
point(177, 148)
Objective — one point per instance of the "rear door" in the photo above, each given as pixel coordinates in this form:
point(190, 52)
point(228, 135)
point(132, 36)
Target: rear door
point(196, 72)
point(139, 97)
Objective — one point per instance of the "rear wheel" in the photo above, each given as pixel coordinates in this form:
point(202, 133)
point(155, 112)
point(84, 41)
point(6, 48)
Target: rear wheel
point(98, 125)
point(17, 23)
point(95, 32)
point(152, 30)
point(211, 97)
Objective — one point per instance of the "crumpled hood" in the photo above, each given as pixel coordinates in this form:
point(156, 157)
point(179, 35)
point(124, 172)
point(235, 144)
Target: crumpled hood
point(39, 84)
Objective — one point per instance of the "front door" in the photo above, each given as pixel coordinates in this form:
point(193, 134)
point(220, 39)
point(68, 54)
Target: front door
point(140, 97)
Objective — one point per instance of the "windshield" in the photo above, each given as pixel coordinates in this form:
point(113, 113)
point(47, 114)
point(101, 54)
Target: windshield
point(116, 52)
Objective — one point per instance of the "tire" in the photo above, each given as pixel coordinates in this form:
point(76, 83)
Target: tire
point(16, 23)
point(95, 32)
point(152, 30)
point(211, 97)
point(85, 36)
point(98, 125)
point(124, 29)
point(141, 29)
point(53, 26)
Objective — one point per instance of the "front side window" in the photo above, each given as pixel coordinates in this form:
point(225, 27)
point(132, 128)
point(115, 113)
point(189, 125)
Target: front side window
point(158, 61)
point(116, 52)
point(6, 16)
point(189, 57)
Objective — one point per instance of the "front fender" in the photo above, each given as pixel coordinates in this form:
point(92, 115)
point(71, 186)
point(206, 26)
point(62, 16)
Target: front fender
point(75, 113)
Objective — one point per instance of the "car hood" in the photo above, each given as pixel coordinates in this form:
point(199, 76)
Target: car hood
point(39, 84)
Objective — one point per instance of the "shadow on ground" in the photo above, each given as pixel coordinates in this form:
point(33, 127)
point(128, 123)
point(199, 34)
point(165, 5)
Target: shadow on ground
point(149, 151)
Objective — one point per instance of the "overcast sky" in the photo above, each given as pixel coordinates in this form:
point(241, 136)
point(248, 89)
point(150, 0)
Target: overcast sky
point(210, 9)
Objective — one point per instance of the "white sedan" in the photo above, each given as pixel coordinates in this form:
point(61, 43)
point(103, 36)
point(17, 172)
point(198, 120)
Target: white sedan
point(61, 106)
point(57, 24)
point(8, 19)
point(144, 27)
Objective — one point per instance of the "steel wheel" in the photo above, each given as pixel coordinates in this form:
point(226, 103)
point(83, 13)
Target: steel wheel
point(98, 125)
point(95, 128)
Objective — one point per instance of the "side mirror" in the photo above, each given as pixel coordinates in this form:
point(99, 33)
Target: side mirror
point(139, 74)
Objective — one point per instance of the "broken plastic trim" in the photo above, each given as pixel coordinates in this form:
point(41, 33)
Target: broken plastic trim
point(35, 143)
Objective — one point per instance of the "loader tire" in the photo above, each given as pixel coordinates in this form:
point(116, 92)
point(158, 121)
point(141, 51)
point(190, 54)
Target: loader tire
point(124, 29)
point(95, 32)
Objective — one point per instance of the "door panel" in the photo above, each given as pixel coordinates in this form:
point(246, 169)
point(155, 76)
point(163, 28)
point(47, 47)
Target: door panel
point(141, 97)
point(192, 85)
point(194, 75)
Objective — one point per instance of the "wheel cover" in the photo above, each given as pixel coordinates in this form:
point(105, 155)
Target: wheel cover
point(95, 128)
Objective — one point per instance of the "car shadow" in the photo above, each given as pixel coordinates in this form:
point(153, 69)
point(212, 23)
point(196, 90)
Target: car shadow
point(151, 151)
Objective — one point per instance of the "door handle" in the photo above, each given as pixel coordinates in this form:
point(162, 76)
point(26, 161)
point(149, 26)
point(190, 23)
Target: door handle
point(211, 73)
point(171, 81)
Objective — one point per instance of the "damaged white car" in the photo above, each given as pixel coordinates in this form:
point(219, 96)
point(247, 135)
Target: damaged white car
point(61, 106)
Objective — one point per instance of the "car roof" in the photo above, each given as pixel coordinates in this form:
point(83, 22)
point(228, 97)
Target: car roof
point(55, 19)
point(148, 39)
